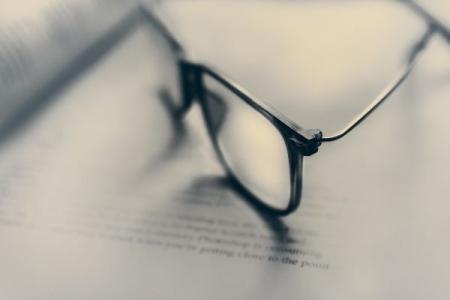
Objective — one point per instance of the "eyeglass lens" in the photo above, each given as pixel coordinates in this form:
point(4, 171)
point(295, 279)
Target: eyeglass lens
point(252, 148)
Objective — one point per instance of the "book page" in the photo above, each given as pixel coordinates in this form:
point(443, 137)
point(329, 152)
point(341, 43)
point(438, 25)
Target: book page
point(104, 195)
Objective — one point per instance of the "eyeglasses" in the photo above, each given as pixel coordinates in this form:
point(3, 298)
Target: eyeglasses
point(260, 149)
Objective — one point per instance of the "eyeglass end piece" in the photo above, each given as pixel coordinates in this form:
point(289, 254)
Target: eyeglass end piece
point(308, 141)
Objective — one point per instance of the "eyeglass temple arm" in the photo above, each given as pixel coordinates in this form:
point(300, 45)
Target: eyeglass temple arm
point(387, 91)
point(435, 26)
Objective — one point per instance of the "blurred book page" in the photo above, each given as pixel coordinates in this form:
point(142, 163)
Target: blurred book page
point(104, 196)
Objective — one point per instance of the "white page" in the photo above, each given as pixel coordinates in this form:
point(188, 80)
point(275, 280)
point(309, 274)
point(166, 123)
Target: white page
point(94, 206)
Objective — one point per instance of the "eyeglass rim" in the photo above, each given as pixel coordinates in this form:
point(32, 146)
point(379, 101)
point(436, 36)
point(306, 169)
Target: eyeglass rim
point(295, 156)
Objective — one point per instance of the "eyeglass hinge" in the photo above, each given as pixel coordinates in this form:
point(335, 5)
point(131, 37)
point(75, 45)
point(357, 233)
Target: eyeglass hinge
point(308, 141)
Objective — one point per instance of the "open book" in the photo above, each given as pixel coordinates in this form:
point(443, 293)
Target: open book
point(104, 196)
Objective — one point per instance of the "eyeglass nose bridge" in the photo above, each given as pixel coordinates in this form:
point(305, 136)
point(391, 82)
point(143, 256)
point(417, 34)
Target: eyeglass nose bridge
point(307, 141)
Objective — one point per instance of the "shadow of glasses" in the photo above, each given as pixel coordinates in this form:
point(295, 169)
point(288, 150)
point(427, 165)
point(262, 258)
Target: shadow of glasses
point(179, 137)
point(275, 225)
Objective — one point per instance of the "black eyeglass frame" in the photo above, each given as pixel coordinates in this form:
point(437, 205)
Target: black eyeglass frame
point(299, 141)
